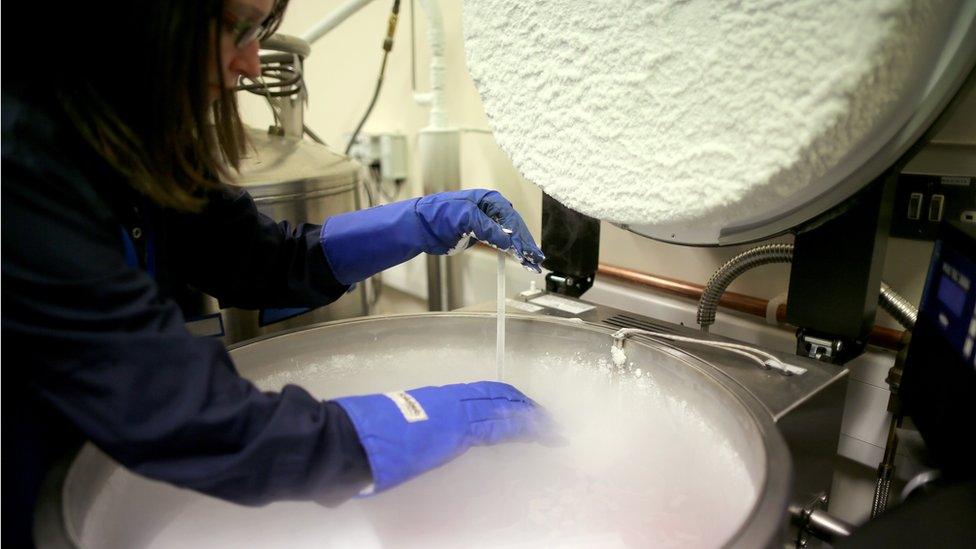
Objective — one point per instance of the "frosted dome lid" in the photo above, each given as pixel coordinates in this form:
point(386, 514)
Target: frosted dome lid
point(709, 122)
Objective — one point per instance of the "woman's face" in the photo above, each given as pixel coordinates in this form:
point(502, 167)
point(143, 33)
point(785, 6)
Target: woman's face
point(238, 55)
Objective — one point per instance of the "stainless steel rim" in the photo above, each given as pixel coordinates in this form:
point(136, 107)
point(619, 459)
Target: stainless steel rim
point(767, 518)
point(763, 526)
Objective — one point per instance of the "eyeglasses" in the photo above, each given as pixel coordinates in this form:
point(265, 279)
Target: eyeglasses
point(244, 30)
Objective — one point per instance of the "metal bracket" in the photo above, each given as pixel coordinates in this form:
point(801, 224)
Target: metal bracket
point(800, 517)
point(568, 285)
point(826, 348)
point(813, 520)
point(819, 348)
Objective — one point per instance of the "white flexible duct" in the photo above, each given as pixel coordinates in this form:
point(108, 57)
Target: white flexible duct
point(333, 20)
point(439, 147)
point(438, 66)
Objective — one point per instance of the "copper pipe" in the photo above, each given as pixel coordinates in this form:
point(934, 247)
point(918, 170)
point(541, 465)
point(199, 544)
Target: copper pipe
point(739, 302)
point(886, 338)
point(881, 337)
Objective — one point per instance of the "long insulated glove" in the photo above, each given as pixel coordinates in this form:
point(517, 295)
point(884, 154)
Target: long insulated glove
point(362, 243)
point(405, 433)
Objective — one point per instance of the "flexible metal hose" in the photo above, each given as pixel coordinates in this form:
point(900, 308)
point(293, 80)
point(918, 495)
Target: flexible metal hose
point(720, 279)
point(882, 489)
point(886, 468)
point(897, 306)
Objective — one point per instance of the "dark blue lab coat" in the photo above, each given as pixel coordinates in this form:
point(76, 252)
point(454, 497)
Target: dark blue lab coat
point(95, 349)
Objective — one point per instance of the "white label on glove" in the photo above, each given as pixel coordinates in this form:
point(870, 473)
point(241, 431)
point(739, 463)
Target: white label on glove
point(411, 409)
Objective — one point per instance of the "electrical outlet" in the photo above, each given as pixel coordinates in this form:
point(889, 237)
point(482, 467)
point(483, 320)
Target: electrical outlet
point(366, 149)
point(922, 202)
point(393, 156)
point(385, 152)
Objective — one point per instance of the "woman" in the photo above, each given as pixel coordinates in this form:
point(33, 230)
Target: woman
point(114, 201)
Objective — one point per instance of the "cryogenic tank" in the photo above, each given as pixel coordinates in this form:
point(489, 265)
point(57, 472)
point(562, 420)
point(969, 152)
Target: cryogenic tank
point(667, 451)
point(291, 179)
point(297, 181)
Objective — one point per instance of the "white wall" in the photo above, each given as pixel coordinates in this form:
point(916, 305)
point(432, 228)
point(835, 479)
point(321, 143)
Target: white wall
point(341, 73)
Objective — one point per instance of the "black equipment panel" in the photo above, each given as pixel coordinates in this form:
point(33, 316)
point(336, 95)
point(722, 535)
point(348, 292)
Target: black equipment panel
point(571, 242)
point(939, 383)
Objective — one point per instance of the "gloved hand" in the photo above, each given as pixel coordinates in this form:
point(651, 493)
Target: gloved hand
point(362, 243)
point(405, 433)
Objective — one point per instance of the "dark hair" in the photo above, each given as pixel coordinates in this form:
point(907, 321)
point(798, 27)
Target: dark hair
point(143, 104)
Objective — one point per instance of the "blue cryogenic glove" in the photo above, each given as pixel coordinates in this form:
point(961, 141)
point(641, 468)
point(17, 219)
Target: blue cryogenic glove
point(362, 243)
point(406, 433)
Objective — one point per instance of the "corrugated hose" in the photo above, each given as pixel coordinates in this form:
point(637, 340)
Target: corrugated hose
point(889, 300)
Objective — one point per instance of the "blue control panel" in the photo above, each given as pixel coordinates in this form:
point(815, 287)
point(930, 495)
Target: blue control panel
point(953, 302)
point(938, 386)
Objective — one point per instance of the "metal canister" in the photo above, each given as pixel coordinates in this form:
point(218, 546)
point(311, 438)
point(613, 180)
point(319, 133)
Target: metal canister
point(298, 181)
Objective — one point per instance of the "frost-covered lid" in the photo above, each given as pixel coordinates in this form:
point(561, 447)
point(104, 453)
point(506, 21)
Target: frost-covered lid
point(713, 122)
